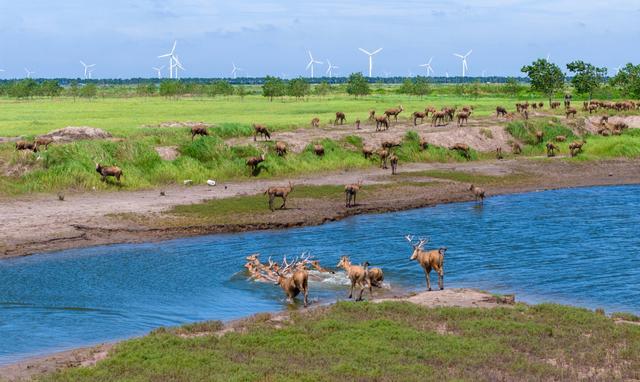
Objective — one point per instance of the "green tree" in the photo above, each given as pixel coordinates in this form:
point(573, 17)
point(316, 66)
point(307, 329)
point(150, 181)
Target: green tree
point(587, 78)
point(171, 88)
point(406, 87)
point(73, 89)
point(151, 89)
point(298, 88)
point(50, 88)
point(222, 87)
point(88, 91)
point(141, 89)
point(322, 89)
point(273, 87)
point(357, 85)
point(23, 89)
point(474, 89)
point(628, 80)
point(545, 77)
point(512, 87)
point(421, 87)
point(241, 91)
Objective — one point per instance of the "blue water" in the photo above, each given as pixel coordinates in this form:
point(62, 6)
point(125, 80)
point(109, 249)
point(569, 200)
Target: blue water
point(574, 246)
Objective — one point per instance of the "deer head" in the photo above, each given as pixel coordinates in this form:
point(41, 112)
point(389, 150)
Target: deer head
point(344, 262)
point(417, 247)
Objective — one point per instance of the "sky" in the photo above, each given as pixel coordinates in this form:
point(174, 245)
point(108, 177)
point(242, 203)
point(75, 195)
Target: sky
point(124, 37)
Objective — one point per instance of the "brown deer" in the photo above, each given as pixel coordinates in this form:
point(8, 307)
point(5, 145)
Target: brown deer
point(516, 148)
point(394, 112)
point(438, 118)
point(281, 149)
point(315, 264)
point(43, 141)
point(551, 149)
point(367, 151)
point(570, 112)
point(253, 162)
point(340, 117)
point(560, 138)
point(384, 155)
point(375, 275)
point(318, 150)
point(24, 145)
point(604, 120)
point(357, 124)
point(262, 130)
point(198, 130)
point(372, 114)
point(463, 117)
point(390, 144)
point(382, 121)
point(278, 192)
point(540, 105)
point(478, 193)
point(555, 104)
point(428, 260)
point(357, 275)
point(107, 171)
point(576, 147)
point(315, 122)
point(501, 111)
point(462, 148)
point(418, 114)
point(294, 284)
point(423, 144)
point(499, 153)
point(539, 136)
point(350, 192)
point(393, 160)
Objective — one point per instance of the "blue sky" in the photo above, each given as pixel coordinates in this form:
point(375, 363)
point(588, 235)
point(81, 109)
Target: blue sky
point(123, 37)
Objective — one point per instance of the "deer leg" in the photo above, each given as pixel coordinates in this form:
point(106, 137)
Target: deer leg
point(354, 198)
point(351, 290)
point(284, 202)
point(426, 274)
point(441, 280)
point(271, 203)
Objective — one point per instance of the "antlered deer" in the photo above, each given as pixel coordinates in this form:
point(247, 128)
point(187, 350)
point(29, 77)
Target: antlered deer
point(278, 192)
point(294, 284)
point(253, 162)
point(394, 112)
point(428, 260)
point(350, 192)
point(262, 130)
point(198, 130)
point(104, 172)
point(340, 117)
point(393, 160)
point(315, 122)
point(478, 193)
point(357, 275)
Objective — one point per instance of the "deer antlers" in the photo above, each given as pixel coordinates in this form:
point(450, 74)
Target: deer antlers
point(421, 241)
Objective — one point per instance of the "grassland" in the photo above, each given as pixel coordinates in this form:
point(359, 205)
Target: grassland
point(385, 341)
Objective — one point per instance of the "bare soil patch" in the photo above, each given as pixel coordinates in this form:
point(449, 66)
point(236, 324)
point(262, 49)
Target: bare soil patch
point(77, 133)
point(180, 124)
point(593, 123)
point(168, 152)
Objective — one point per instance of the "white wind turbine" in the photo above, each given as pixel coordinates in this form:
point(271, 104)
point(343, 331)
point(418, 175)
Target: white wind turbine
point(235, 70)
point(178, 66)
point(29, 72)
point(428, 67)
point(330, 68)
point(86, 69)
point(464, 61)
point(618, 68)
point(159, 71)
point(370, 54)
point(171, 59)
point(311, 63)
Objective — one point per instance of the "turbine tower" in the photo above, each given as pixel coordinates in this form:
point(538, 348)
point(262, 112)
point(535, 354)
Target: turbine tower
point(86, 69)
point(311, 63)
point(159, 71)
point(171, 59)
point(177, 65)
point(235, 70)
point(464, 62)
point(29, 72)
point(428, 67)
point(330, 68)
point(370, 54)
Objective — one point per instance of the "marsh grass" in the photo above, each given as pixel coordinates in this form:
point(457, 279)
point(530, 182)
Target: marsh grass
point(388, 341)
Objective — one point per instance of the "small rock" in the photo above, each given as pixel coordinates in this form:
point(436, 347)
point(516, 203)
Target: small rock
point(188, 182)
point(211, 182)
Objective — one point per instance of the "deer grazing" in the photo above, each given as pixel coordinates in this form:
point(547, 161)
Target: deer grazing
point(375, 275)
point(24, 145)
point(350, 192)
point(501, 111)
point(262, 130)
point(107, 171)
point(570, 112)
point(418, 114)
point(278, 192)
point(516, 148)
point(551, 149)
point(253, 162)
point(318, 150)
point(43, 141)
point(478, 193)
point(340, 117)
point(463, 149)
point(372, 114)
point(393, 160)
point(198, 130)
point(281, 149)
point(315, 122)
point(382, 121)
point(394, 112)
point(463, 117)
point(539, 136)
point(576, 147)
point(358, 275)
point(367, 151)
point(428, 260)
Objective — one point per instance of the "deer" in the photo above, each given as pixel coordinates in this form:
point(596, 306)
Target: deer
point(315, 264)
point(428, 260)
point(423, 144)
point(438, 118)
point(560, 138)
point(540, 105)
point(478, 193)
point(384, 155)
point(262, 130)
point(375, 275)
point(318, 150)
point(576, 147)
point(350, 191)
point(516, 148)
point(106, 171)
point(463, 117)
point(382, 121)
point(501, 111)
point(278, 192)
point(281, 149)
point(539, 136)
point(390, 144)
point(394, 112)
point(315, 122)
point(449, 112)
point(393, 160)
point(357, 124)
point(340, 117)
point(294, 284)
point(570, 112)
point(43, 141)
point(551, 149)
point(253, 162)
point(418, 114)
point(604, 120)
point(367, 151)
point(198, 130)
point(357, 274)
point(499, 153)
point(554, 104)
point(462, 148)
point(24, 145)
point(372, 114)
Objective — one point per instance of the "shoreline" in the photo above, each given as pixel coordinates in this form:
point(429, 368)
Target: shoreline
point(86, 228)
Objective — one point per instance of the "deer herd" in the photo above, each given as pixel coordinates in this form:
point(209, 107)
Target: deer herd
point(293, 276)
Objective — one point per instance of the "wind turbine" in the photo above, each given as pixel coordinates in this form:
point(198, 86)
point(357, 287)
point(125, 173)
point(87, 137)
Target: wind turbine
point(90, 73)
point(428, 67)
point(370, 57)
point(29, 72)
point(446, 74)
point(464, 61)
point(311, 62)
point(235, 70)
point(86, 69)
point(177, 65)
point(171, 59)
point(617, 68)
point(330, 68)
point(159, 71)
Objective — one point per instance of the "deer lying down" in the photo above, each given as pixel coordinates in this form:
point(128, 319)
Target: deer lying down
point(428, 260)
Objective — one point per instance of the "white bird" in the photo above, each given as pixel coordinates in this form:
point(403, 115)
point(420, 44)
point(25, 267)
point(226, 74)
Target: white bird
point(330, 68)
point(171, 59)
point(311, 63)
point(428, 67)
point(370, 54)
point(464, 61)
point(86, 69)
point(159, 71)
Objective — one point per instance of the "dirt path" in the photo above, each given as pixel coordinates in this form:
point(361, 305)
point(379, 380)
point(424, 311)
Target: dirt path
point(42, 223)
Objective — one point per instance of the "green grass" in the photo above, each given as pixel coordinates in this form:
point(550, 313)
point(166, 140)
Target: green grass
point(387, 341)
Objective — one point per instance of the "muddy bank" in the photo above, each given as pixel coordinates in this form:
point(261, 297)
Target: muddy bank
point(41, 223)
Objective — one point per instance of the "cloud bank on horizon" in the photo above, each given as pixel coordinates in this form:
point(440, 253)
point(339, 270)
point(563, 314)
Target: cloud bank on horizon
point(271, 37)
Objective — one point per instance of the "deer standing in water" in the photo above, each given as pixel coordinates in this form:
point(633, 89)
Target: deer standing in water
point(357, 275)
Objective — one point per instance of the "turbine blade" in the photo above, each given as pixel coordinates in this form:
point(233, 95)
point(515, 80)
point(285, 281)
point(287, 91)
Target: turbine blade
point(175, 42)
point(468, 53)
point(364, 51)
point(165, 55)
point(458, 55)
point(376, 51)
point(310, 56)
point(309, 65)
point(431, 59)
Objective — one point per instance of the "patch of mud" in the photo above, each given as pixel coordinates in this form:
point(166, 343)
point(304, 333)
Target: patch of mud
point(168, 152)
point(179, 124)
point(77, 133)
point(10, 139)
